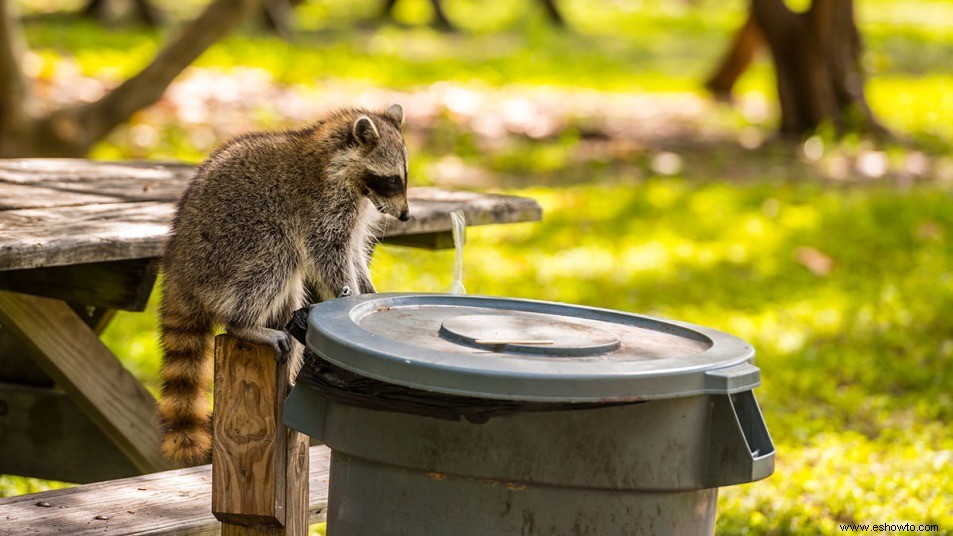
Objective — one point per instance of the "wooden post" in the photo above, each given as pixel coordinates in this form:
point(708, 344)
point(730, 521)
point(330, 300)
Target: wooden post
point(259, 467)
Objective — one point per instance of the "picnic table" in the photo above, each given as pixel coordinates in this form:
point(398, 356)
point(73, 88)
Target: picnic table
point(80, 240)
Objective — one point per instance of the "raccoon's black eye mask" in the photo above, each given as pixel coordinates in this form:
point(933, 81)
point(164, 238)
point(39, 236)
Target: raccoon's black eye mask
point(384, 186)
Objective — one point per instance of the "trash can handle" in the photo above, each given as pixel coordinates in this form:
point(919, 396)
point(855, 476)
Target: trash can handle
point(740, 449)
point(736, 379)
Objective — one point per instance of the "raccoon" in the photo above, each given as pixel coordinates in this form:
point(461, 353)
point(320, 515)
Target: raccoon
point(269, 219)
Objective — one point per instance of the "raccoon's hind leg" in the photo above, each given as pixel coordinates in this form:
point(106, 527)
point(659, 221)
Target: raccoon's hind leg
point(281, 317)
point(262, 306)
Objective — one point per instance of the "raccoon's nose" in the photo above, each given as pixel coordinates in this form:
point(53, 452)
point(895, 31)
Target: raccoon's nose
point(404, 215)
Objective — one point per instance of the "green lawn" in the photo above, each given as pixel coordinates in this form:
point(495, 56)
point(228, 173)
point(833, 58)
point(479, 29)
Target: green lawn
point(842, 282)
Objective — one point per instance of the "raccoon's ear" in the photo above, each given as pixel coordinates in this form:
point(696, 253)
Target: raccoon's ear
point(396, 112)
point(365, 131)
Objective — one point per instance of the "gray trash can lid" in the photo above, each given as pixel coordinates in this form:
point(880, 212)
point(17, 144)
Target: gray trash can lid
point(513, 349)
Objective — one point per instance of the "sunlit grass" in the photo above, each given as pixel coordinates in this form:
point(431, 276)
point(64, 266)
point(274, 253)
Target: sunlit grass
point(15, 485)
point(846, 477)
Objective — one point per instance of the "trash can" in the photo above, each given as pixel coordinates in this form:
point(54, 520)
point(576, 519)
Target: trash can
point(470, 415)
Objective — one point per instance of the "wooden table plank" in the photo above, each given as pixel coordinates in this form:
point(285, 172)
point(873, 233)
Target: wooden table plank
point(170, 503)
point(55, 236)
point(122, 285)
point(30, 238)
point(430, 210)
point(74, 357)
point(62, 183)
point(82, 171)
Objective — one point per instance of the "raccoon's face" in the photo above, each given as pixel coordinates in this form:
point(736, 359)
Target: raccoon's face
point(384, 160)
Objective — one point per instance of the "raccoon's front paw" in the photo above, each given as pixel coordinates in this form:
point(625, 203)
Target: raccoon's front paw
point(277, 339)
point(282, 345)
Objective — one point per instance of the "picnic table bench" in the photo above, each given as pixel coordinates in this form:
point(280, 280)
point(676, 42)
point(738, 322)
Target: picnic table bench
point(170, 503)
point(80, 240)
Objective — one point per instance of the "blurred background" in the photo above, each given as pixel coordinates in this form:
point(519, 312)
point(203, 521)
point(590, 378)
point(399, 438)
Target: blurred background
point(823, 238)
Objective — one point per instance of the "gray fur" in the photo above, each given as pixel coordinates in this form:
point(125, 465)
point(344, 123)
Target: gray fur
point(271, 217)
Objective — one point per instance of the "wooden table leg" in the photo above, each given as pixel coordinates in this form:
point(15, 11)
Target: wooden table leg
point(67, 350)
point(259, 466)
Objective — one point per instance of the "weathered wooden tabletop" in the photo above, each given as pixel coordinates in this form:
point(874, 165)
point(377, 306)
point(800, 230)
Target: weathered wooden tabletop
point(57, 212)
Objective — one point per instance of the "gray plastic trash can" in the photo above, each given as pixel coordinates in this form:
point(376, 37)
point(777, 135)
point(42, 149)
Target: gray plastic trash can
point(468, 415)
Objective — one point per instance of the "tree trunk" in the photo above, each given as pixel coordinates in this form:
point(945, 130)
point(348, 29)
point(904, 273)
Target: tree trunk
point(94, 9)
point(72, 130)
point(279, 16)
point(143, 11)
point(148, 13)
point(743, 48)
point(816, 57)
point(15, 99)
point(440, 22)
point(553, 14)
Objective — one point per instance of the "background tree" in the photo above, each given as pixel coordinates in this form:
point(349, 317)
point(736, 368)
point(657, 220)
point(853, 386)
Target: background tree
point(442, 22)
point(72, 130)
point(817, 62)
point(745, 45)
point(440, 19)
point(142, 10)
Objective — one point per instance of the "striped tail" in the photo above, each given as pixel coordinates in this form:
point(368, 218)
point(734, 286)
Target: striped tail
point(186, 376)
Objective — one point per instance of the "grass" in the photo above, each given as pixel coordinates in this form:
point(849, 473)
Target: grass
point(843, 285)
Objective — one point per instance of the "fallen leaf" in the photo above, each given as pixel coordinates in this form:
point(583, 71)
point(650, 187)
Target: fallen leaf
point(817, 262)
